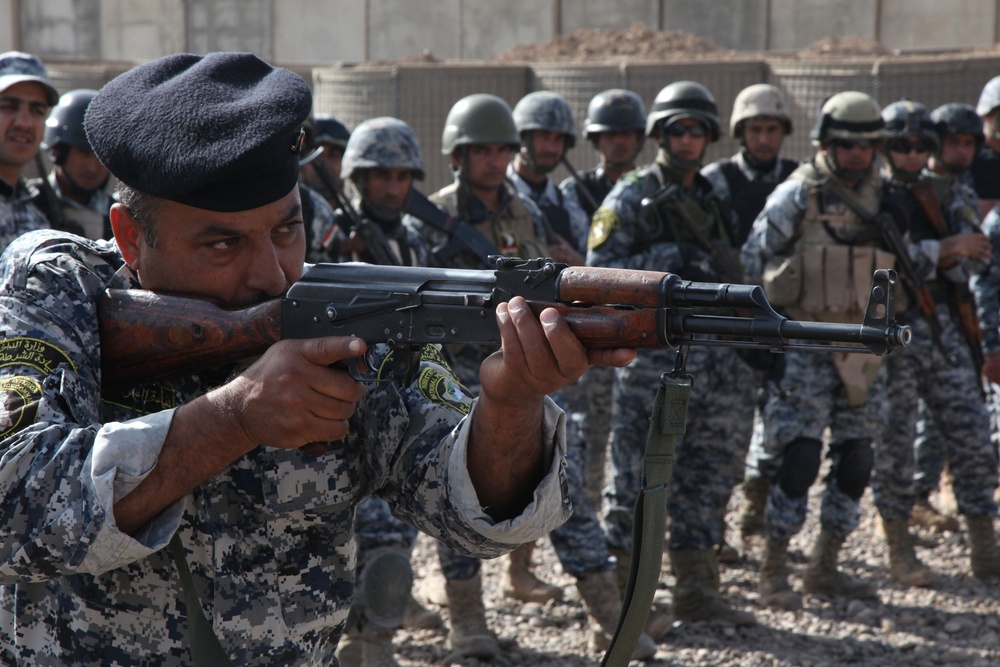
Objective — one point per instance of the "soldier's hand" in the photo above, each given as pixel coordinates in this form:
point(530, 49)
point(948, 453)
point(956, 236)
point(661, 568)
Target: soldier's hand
point(291, 396)
point(971, 244)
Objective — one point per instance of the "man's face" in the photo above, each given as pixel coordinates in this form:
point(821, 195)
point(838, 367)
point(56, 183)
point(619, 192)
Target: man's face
point(763, 138)
point(549, 147)
point(908, 153)
point(619, 148)
point(237, 259)
point(333, 155)
point(387, 189)
point(486, 165)
point(23, 110)
point(684, 145)
point(853, 155)
point(958, 150)
point(84, 169)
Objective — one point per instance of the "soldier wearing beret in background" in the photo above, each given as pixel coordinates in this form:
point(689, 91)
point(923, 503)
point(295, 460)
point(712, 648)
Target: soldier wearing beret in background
point(26, 95)
point(176, 523)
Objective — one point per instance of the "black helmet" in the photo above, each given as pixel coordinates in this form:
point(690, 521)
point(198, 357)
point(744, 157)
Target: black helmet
point(65, 122)
point(614, 110)
point(329, 130)
point(959, 118)
point(684, 99)
point(907, 118)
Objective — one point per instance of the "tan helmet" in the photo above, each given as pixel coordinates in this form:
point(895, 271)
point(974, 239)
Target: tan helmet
point(848, 115)
point(761, 99)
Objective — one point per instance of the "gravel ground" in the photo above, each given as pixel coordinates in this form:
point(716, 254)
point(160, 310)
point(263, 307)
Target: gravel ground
point(955, 622)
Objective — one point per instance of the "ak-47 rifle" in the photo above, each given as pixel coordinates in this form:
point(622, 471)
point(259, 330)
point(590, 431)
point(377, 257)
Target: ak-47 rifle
point(461, 235)
point(145, 336)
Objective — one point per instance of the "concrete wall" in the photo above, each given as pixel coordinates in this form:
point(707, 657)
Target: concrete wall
point(314, 32)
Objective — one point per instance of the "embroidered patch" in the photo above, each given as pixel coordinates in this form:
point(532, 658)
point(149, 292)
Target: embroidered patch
point(19, 398)
point(442, 388)
point(41, 355)
point(603, 225)
point(144, 399)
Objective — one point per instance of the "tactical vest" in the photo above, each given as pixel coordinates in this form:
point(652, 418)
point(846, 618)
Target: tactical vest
point(512, 230)
point(827, 275)
point(747, 197)
point(558, 218)
point(597, 186)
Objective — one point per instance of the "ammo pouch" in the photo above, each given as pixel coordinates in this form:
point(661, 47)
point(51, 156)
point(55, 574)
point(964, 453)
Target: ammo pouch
point(826, 282)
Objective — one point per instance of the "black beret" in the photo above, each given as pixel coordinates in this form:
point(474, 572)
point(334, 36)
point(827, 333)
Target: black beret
point(218, 132)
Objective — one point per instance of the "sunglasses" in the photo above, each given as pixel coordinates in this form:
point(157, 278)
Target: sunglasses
point(905, 146)
point(678, 130)
point(851, 144)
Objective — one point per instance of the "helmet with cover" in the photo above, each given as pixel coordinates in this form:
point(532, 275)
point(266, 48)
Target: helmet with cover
point(851, 115)
point(756, 101)
point(386, 143)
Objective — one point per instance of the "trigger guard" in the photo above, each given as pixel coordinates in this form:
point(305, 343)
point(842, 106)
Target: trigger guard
point(363, 368)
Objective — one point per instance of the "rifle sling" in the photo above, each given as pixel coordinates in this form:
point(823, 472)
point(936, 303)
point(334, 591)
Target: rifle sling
point(666, 424)
point(206, 651)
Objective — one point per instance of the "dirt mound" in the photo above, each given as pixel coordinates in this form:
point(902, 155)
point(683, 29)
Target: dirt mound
point(840, 47)
point(637, 42)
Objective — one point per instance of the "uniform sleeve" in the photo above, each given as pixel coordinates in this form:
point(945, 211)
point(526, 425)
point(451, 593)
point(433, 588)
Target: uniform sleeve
point(61, 469)
point(986, 287)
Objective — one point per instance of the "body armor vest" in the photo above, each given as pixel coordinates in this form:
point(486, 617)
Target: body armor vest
point(748, 197)
point(597, 186)
point(558, 219)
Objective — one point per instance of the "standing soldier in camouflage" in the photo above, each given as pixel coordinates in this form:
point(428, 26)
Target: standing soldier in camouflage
point(986, 165)
point(75, 196)
point(805, 247)
point(546, 130)
point(666, 217)
point(947, 245)
point(760, 122)
point(381, 161)
point(479, 137)
point(331, 135)
point(616, 128)
point(26, 95)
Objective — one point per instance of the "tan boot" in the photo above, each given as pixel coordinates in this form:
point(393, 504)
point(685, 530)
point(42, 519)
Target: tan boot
point(774, 589)
point(658, 623)
point(520, 583)
point(600, 595)
point(926, 515)
point(823, 577)
point(696, 594)
point(725, 552)
point(469, 635)
point(419, 617)
point(904, 566)
point(376, 647)
point(349, 652)
point(984, 554)
point(750, 519)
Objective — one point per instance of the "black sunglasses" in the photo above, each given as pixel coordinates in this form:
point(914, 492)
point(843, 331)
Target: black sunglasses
point(677, 130)
point(850, 144)
point(906, 146)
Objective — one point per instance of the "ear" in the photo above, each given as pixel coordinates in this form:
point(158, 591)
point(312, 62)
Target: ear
point(128, 235)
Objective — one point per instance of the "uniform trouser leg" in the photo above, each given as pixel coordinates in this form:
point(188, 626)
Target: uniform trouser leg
point(893, 488)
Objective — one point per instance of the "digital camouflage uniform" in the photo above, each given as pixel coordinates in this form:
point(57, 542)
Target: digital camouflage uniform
point(811, 395)
point(711, 453)
point(17, 212)
point(269, 540)
point(948, 385)
point(554, 205)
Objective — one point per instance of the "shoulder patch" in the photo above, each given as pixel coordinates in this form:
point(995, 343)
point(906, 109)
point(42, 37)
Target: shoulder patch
point(35, 353)
point(602, 226)
point(19, 398)
point(435, 380)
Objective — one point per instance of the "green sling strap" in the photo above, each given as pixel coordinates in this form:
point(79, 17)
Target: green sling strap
point(666, 424)
point(206, 651)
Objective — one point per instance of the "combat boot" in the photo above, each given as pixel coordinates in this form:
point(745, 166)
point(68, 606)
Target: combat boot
point(984, 554)
point(904, 566)
point(600, 595)
point(822, 575)
point(469, 635)
point(696, 593)
point(725, 552)
point(774, 589)
point(658, 623)
point(520, 583)
point(926, 515)
point(419, 617)
point(750, 519)
point(376, 648)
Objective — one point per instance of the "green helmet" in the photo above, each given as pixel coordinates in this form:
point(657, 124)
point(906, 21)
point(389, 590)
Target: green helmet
point(479, 119)
point(684, 99)
point(848, 115)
